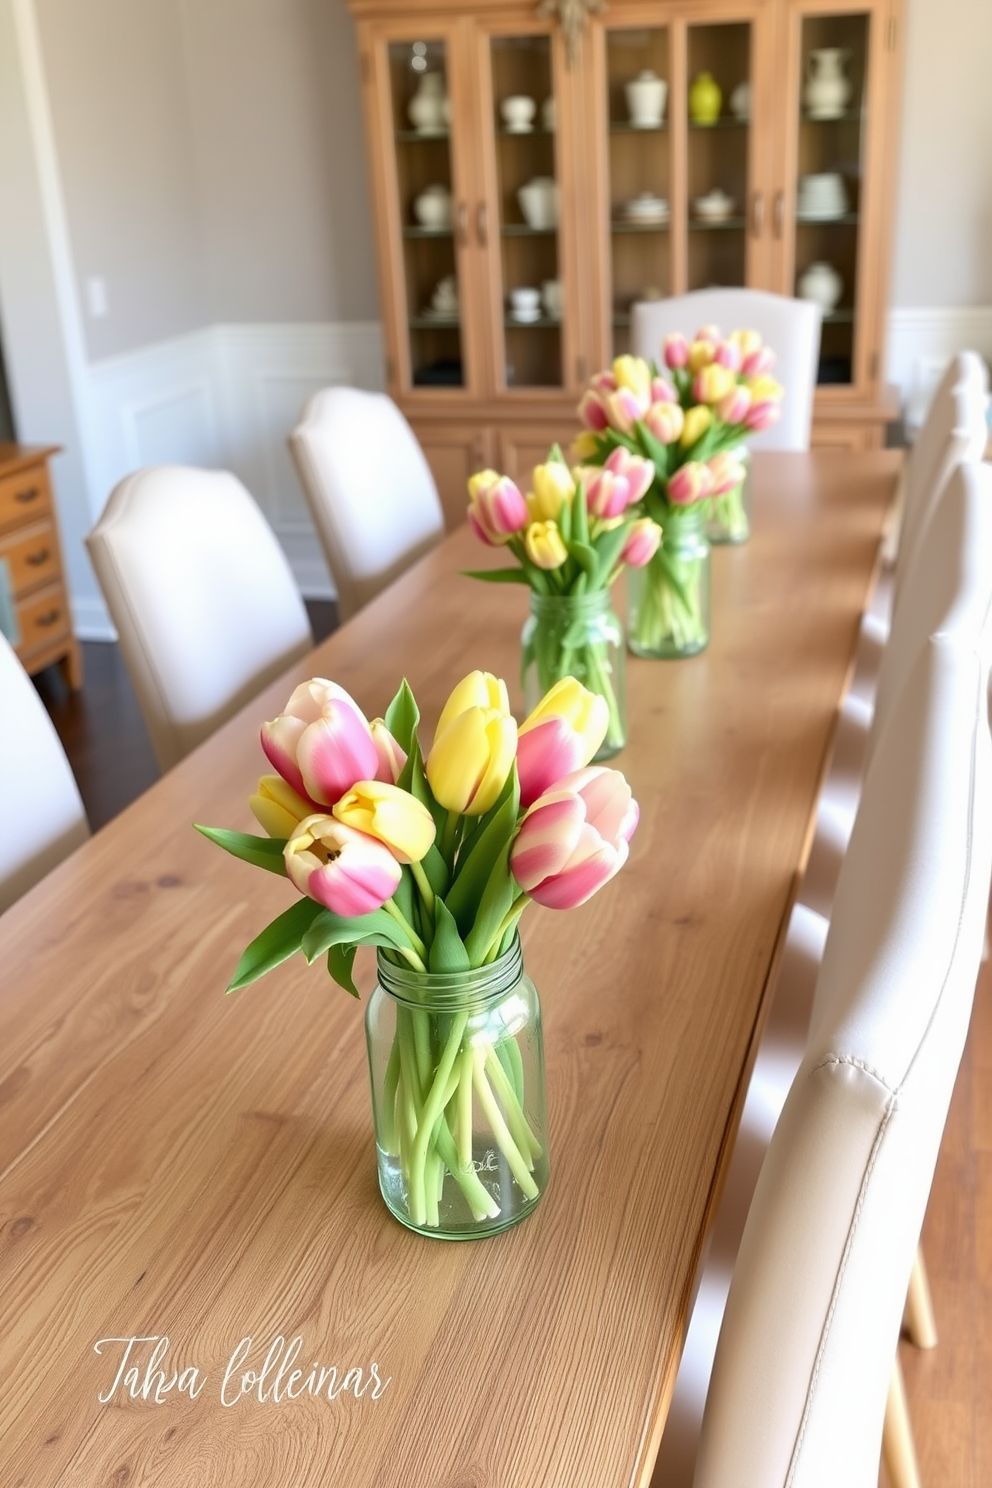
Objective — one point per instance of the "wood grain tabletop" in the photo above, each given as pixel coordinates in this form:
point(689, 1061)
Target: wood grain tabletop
point(197, 1172)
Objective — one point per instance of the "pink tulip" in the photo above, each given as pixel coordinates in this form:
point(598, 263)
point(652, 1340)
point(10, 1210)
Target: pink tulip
point(665, 421)
point(574, 838)
point(675, 351)
point(344, 870)
point(662, 391)
point(621, 482)
point(592, 411)
point(733, 408)
point(391, 757)
point(642, 543)
point(728, 354)
point(322, 743)
point(709, 333)
point(624, 408)
point(726, 473)
point(762, 415)
point(603, 382)
point(559, 737)
point(691, 482)
point(497, 510)
point(758, 363)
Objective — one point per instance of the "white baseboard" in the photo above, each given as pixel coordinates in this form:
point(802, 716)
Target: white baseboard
point(226, 396)
point(921, 342)
point(90, 621)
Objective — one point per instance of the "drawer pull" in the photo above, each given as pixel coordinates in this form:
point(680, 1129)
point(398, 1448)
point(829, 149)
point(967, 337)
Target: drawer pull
point(31, 493)
point(49, 618)
point(37, 559)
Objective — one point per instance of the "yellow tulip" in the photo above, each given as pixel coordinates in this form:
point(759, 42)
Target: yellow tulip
point(481, 481)
point(747, 341)
point(470, 760)
point(553, 486)
point(701, 353)
point(714, 383)
point(634, 373)
point(697, 421)
point(393, 816)
point(765, 390)
point(543, 545)
point(277, 807)
point(585, 445)
point(477, 690)
point(585, 711)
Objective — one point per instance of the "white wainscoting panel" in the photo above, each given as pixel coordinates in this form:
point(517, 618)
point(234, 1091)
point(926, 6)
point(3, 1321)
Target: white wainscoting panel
point(920, 344)
point(225, 397)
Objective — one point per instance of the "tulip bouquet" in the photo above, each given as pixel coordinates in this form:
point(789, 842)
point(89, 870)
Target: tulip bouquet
point(572, 535)
point(689, 418)
point(433, 860)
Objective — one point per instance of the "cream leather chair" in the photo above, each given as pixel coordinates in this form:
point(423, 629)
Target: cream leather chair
point(41, 813)
point(202, 597)
point(805, 1358)
point(370, 490)
point(790, 327)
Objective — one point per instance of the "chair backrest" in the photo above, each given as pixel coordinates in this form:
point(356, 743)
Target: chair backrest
point(371, 492)
point(202, 596)
point(790, 327)
point(955, 430)
point(947, 588)
point(809, 1335)
point(41, 814)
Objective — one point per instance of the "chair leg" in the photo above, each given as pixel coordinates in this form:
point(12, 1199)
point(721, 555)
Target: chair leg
point(897, 1436)
point(918, 1319)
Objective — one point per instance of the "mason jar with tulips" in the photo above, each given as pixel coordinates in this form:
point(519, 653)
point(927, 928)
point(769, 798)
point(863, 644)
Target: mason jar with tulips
point(433, 860)
point(572, 534)
point(688, 415)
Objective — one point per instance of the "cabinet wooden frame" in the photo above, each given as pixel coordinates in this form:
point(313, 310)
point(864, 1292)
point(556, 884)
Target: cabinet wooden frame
point(484, 406)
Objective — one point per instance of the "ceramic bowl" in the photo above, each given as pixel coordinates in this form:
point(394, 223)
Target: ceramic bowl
point(432, 208)
point(714, 206)
point(646, 208)
point(518, 113)
point(525, 299)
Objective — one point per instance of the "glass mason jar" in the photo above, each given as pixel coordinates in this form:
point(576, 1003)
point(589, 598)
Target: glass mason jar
point(577, 635)
point(668, 602)
point(457, 1067)
point(728, 518)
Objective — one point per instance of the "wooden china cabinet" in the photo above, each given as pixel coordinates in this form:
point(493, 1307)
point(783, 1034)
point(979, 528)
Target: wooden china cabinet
point(487, 381)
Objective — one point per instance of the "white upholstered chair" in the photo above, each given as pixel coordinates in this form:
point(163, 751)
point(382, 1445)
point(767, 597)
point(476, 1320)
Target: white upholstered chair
point(805, 1358)
point(41, 814)
point(790, 327)
point(202, 596)
point(370, 490)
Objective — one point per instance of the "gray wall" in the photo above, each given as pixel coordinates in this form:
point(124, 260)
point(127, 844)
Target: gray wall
point(943, 234)
point(212, 160)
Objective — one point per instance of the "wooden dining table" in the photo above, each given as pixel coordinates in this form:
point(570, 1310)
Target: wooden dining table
point(188, 1200)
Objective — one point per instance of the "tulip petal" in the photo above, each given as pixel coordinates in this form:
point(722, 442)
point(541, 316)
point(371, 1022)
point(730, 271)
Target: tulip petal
point(592, 864)
point(279, 740)
point(336, 751)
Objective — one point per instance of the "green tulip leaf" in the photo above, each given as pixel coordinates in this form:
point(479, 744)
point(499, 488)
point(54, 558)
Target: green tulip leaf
point(330, 929)
point(403, 716)
point(659, 454)
point(555, 456)
point(276, 943)
point(448, 951)
point(609, 546)
point(584, 555)
point(497, 897)
point(496, 575)
point(475, 869)
point(340, 961)
point(565, 515)
point(580, 525)
point(262, 852)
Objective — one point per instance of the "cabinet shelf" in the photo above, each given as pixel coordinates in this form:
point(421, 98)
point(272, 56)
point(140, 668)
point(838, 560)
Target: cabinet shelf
point(521, 230)
point(418, 136)
point(427, 232)
point(639, 227)
point(505, 133)
point(726, 121)
point(545, 323)
point(850, 116)
point(849, 219)
point(726, 224)
point(620, 126)
point(434, 323)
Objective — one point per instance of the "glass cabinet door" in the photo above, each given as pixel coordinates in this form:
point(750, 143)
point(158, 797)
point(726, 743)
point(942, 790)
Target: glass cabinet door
point(421, 132)
point(719, 153)
point(639, 164)
point(829, 170)
point(527, 271)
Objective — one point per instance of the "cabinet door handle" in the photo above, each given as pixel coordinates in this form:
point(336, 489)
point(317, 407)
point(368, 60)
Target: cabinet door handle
point(779, 213)
point(757, 213)
point(482, 224)
point(461, 225)
point(49, 617)
point(30, 494)
point(37, 559)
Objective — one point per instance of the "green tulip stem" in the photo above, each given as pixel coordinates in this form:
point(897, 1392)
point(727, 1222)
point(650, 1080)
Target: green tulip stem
point(525, 1139)
point(426, 892)
point(392, 908)
point(514, 912)
point(448, 837)
point(517, 1165)
point(432, 1109)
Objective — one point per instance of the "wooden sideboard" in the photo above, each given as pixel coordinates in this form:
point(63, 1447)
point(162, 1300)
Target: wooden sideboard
point(480, 385)
point(29, 544)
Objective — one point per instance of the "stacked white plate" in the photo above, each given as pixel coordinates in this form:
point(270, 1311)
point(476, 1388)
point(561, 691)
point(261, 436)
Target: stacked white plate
point(821, 198)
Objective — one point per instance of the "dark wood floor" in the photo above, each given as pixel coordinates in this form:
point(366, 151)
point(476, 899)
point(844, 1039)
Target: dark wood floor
point(102, 729)
point(950, 1388)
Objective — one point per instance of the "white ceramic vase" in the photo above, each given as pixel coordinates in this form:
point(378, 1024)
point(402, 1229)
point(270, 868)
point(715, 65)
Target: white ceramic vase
point(428, 108)
point(828, 88)
point(646, 95)
point(822, 284)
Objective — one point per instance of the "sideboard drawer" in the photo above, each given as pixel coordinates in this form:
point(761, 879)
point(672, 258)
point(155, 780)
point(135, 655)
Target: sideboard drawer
point(32, 557)
point(42, 618)
point(24, 497)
